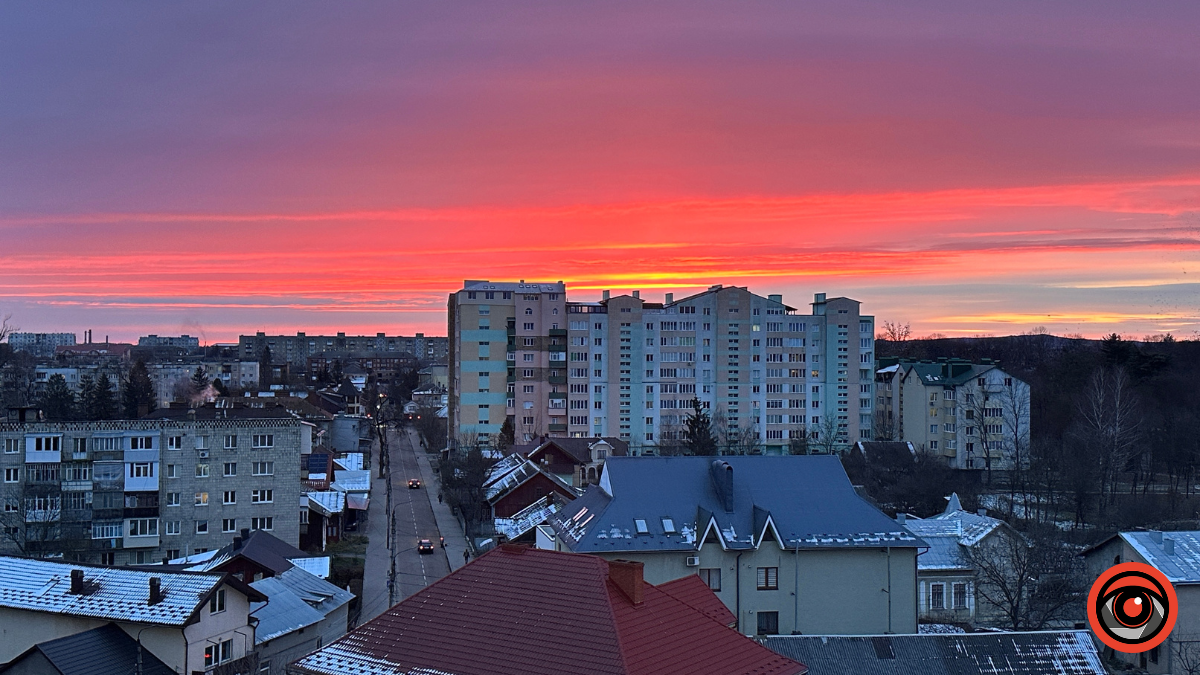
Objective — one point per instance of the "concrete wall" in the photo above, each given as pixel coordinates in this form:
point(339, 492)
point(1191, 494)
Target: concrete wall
point(834, 592)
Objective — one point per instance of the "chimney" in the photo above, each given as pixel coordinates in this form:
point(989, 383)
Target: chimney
point(245, 533)
point(901, 517)
point(155, 591)
point(627, 576)
point(1168, 546)
point(603, 295)
point(722, 477)
point(77, 582)
point(670, 298)
point(1156, 536)
point(981, 512)
point(637, 294)
point(237, 543)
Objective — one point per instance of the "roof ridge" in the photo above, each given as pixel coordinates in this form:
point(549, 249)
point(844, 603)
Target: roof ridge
point(609, 588)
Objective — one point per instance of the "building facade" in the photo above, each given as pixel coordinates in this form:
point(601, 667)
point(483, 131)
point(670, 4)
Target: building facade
point(182, 341)
point(40, 344)
point(137, 491)
point(294, 350)
point(623, 367)
point(973, 415)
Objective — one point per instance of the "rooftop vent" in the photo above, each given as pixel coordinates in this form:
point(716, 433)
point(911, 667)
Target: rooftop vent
point(900, 518)
point(722, 477)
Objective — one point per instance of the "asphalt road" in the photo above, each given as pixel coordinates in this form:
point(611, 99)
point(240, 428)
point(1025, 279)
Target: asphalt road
point(412, 520)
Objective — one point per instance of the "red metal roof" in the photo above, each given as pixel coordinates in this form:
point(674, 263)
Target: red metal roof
point(693, 592)
point(525, 611)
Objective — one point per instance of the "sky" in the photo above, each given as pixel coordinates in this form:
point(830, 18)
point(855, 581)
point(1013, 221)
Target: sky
point(221, 168)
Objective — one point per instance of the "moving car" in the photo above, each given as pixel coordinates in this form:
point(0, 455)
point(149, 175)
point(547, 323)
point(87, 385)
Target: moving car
point(414, 484)
point(424, 546)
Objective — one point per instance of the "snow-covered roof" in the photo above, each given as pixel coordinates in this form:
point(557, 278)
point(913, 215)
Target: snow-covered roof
point(351, 481)
point(296, 599)
point(317, 566)
point(110, 593)
point(328, 503)
point(1182, 565)
point(946, 534)
point(351, 461)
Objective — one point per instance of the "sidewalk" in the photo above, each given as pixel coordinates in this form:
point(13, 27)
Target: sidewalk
point(448, 525)
point(375, 570)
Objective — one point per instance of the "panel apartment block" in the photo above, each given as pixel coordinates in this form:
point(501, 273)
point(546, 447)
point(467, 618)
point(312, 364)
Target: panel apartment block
point(136, 491)
point(629, 368)
point(294, 350)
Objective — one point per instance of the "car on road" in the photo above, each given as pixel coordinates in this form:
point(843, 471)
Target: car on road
point(424, 546)
point(414, 484)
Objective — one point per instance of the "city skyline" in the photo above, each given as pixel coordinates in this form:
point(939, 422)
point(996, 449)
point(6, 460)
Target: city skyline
point(222, 169)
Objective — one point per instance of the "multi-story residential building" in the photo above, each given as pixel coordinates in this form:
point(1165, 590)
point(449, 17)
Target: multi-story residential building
point(973, 415)
point(294, 350)
point(40, 344)
point(172, 379)
point(135, 491)
point(183, 341)
point(628, 368)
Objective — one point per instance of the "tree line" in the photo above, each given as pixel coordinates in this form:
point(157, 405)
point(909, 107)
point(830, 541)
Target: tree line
point(99, 398)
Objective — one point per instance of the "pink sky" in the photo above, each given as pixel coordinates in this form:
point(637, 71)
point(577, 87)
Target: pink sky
point(221, 169)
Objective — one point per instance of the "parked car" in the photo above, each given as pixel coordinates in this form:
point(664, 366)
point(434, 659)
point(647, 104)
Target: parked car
point(424, 546)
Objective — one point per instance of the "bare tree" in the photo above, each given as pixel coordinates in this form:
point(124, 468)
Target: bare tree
point(6, 328)
point(1112, 419)
point(884, 426)
point(1185, 654)
point(1030, 585)
point(825, 442)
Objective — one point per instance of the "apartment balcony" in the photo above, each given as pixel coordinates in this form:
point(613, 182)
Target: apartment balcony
point(558, 332)
point(557, 379)
point(559, 428)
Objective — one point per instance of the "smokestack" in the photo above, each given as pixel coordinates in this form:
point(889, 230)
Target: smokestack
point(77, 582)
point(155, 591)
point(627, 576)
point(1168, 546)
point(670, 298)
point(722, 477)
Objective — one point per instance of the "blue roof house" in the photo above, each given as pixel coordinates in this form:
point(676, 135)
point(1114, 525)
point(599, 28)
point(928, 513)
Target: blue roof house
point(784, 541)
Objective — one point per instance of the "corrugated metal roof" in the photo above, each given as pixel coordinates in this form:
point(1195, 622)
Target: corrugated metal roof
point(1041, 653)
point(352, 481)
point(947, 533)
point(117, 594)
point(328, 503)
point(1181, 567)
point(296, 599)
point(809, 499)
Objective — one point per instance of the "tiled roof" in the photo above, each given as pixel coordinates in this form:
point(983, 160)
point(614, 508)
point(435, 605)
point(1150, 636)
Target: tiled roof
point(296, 599)
point(806, 498)
point(106, 650)
point(1042, 653)
point(117, 594)
point(693, 592)
point(495, 615)
point(1180, 567)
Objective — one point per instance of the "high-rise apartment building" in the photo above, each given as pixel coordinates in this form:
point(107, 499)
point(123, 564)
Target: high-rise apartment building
point(178, 482)
point(40, 344)
point(294, 350)
point(770, 376)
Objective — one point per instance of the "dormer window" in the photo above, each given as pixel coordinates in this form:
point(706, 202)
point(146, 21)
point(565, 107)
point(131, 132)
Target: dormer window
point(640, 525)
point(668, 525)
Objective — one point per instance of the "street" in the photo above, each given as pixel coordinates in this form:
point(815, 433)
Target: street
point(413, 519)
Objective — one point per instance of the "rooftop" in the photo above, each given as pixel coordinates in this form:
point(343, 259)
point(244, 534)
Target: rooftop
point(1182, 565)
point(947, 532)
point(1040, 653)
point(675, 503)
point(495, 615)
point(109, 593)
point(212, 412)
point(106, 650)
point(296, 599)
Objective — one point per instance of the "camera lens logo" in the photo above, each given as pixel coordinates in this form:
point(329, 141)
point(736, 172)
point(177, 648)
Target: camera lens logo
point(1132, 607)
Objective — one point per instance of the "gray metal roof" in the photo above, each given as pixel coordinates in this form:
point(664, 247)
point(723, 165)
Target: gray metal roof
point(1180, 567)
point(947, 533)
point(1040, 653)
point(296, 599)
point(116, 594)
point(808, 500)
point(106, 650)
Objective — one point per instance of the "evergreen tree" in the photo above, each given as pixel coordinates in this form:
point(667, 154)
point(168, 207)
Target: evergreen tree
point(199, 381)
point(87, 393)
point(138, 397)
point(57, 400)
point(220, 387)
point(264, 367)
point(102, 404)
point(698, 436)
point(507, 435)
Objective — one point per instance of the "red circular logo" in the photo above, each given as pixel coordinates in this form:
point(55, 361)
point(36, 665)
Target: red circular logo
point(1132, 607)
